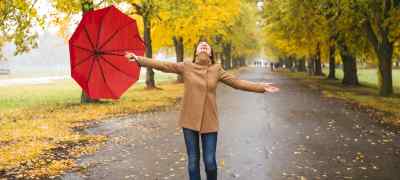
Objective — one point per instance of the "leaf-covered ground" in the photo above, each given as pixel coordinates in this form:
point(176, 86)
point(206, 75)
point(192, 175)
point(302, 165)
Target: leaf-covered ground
point(41, 138)
point(364, 96)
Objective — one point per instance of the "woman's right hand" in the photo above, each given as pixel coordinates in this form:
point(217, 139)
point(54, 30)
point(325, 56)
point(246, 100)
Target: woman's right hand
point(268, 87)
point(131, 56)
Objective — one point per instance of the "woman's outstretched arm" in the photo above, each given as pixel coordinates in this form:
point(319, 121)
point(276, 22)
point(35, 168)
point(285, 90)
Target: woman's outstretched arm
point(244, 85)
point(168, 67)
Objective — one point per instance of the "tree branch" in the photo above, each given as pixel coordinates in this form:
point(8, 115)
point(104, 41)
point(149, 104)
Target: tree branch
point(138, 8)
point(101, 2)
point(371, 35)
point(387, 5)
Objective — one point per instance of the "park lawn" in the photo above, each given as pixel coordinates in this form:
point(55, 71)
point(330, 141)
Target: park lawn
point(369, 77)
point(59, 92)
point(39, 124)
point(364, 96)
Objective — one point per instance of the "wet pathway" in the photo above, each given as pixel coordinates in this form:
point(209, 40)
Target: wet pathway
point(293, 134)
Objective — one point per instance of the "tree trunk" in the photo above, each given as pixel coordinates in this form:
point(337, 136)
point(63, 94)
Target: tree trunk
point(301, 65)
point(233, 65)
point(222, 58)
point(229, 56)
point(332, 63)
point(287, 63)
point(310, 66)
point(86, 99)
point(291, 64)
point(383, 48)
point(385, 72)
point(235, 62)
point(86, 7)
point(179, 50)
point(284, 63)
point(295, 64)
point(243, 62)
point(317, 64)
point(349, 63)
point(227, 53)
point(281, 61)
point(217, 57)
point(150, 83)
point(350, 76)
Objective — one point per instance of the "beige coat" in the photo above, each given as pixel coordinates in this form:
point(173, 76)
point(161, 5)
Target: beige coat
point(199, 108)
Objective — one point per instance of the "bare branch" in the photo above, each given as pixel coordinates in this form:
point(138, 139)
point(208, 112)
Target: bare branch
point(138, 8)
point(101, 2)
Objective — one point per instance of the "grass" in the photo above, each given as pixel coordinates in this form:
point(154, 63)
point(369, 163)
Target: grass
point(369, 77)
point(59, 92)
point(38, 124)
point(364, 96)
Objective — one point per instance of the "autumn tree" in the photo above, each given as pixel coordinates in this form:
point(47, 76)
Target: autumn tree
point(149, 11)
point(171, 30)
point(362, 28)
point(245, 34)
point(18, 21)
point(68, 8)
point(381, 25)
point(357, 29)
point(298, 30)
point(183, 23)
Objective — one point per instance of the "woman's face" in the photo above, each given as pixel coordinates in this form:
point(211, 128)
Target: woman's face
point(203, 47)
point(203, 53)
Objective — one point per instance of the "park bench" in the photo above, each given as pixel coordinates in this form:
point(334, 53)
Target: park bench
point(4, 71)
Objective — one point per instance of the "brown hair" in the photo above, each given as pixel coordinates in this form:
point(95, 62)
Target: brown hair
point(195, 51)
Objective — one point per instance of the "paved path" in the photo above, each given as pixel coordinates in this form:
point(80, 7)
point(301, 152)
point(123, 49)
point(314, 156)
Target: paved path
point(294, 134)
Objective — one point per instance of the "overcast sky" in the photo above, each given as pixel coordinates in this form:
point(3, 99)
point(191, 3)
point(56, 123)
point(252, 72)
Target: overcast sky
point(44, 7)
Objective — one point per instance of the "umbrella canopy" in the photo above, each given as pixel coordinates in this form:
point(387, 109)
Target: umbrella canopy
point(97, 49)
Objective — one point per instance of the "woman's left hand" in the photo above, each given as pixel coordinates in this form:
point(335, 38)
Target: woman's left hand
point(270, 88)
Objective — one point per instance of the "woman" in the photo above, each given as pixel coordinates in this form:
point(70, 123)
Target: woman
point(199, 110)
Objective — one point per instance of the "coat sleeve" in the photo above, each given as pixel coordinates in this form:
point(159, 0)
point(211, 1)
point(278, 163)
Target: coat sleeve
point(168, 67)
point(236, 83)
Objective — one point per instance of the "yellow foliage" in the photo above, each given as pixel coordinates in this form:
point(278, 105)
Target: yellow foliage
point(54, 168)
point(15, 153)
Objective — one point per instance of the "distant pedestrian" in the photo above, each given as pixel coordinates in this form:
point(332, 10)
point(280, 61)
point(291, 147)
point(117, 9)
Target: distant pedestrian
point(272, 66)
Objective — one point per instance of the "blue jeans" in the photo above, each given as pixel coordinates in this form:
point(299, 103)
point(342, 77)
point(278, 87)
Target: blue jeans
point(209, 145)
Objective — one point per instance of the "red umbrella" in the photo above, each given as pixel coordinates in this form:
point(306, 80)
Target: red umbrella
point(97, 49)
